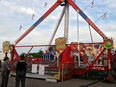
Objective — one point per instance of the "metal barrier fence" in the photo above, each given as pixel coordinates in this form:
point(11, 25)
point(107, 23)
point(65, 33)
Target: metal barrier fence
point(66, 68)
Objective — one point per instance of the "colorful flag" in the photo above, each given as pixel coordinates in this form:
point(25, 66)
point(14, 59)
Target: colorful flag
point(20, 28)
point(104, 16)
point(46, 4)
point(33, 16)
point(92, 3)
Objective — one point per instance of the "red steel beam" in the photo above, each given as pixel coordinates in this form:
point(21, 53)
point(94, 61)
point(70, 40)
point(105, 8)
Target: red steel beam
point(86, 18)
point(17, 55)
point(35, 46)
point(109, 59)
point(29, 51)
point(97, 57)
point(38, 21)
point(82, 55)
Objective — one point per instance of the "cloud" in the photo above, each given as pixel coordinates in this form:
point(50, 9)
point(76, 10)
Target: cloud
point(13, 7)
point(54, 17)
point(110, 4)
point(15, 13)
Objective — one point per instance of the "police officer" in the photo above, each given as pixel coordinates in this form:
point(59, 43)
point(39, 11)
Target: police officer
point(21, 66)
point(5, 72)
point(0, 63)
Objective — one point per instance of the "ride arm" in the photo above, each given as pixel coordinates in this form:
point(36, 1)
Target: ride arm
point(38, 21)
point(86, 18)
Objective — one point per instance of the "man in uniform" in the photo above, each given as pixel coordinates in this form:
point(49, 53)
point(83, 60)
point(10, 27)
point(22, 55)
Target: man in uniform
point(21, 66)
point(0, 63)
point(5, 72)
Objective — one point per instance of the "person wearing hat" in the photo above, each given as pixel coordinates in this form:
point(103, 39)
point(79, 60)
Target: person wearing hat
point(21, 66)
point(5, 72)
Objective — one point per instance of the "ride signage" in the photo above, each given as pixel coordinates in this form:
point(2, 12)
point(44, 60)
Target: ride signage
point(108, 43)
point(74, 45)
point(6, 45)
point(60, 44)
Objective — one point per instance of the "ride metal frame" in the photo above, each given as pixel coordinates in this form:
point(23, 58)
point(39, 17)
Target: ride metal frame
point(66, 11)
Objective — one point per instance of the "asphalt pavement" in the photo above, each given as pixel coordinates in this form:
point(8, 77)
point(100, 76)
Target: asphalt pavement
point(67, 83)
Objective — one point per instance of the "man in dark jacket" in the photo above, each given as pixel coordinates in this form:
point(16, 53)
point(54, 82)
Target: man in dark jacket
point(5, 72)
point(21, 66)
point(0, 63)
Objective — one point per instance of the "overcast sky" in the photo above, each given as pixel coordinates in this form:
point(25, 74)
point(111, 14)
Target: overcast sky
point(14, 13)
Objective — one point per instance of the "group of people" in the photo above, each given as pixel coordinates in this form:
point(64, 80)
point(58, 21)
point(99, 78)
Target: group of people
point(53, 55)
point(102, 60)
point(20, 66)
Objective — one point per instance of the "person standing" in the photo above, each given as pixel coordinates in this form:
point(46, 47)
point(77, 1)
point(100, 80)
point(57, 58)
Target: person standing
point(5, 72)
point(21, 66)
point(0, 63)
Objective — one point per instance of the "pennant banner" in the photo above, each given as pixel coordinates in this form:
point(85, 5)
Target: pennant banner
point(104, 16)
point(33, 16)
point(20, 28)
point(45, 4)
point(92, 3)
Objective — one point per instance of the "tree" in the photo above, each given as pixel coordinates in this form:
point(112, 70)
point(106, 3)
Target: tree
point(38, 54)
point(24, 53)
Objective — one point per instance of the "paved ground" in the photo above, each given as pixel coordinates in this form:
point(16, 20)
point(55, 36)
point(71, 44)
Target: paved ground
point(68, 83)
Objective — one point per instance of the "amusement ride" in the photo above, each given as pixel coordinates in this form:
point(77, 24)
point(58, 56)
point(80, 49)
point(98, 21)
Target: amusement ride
point(86, 60)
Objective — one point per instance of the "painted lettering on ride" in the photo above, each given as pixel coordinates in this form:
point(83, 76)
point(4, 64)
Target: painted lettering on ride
point(60, 44)
point(6, 45)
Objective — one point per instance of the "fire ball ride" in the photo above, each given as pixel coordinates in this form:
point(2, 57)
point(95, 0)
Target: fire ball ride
point(63, 60)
